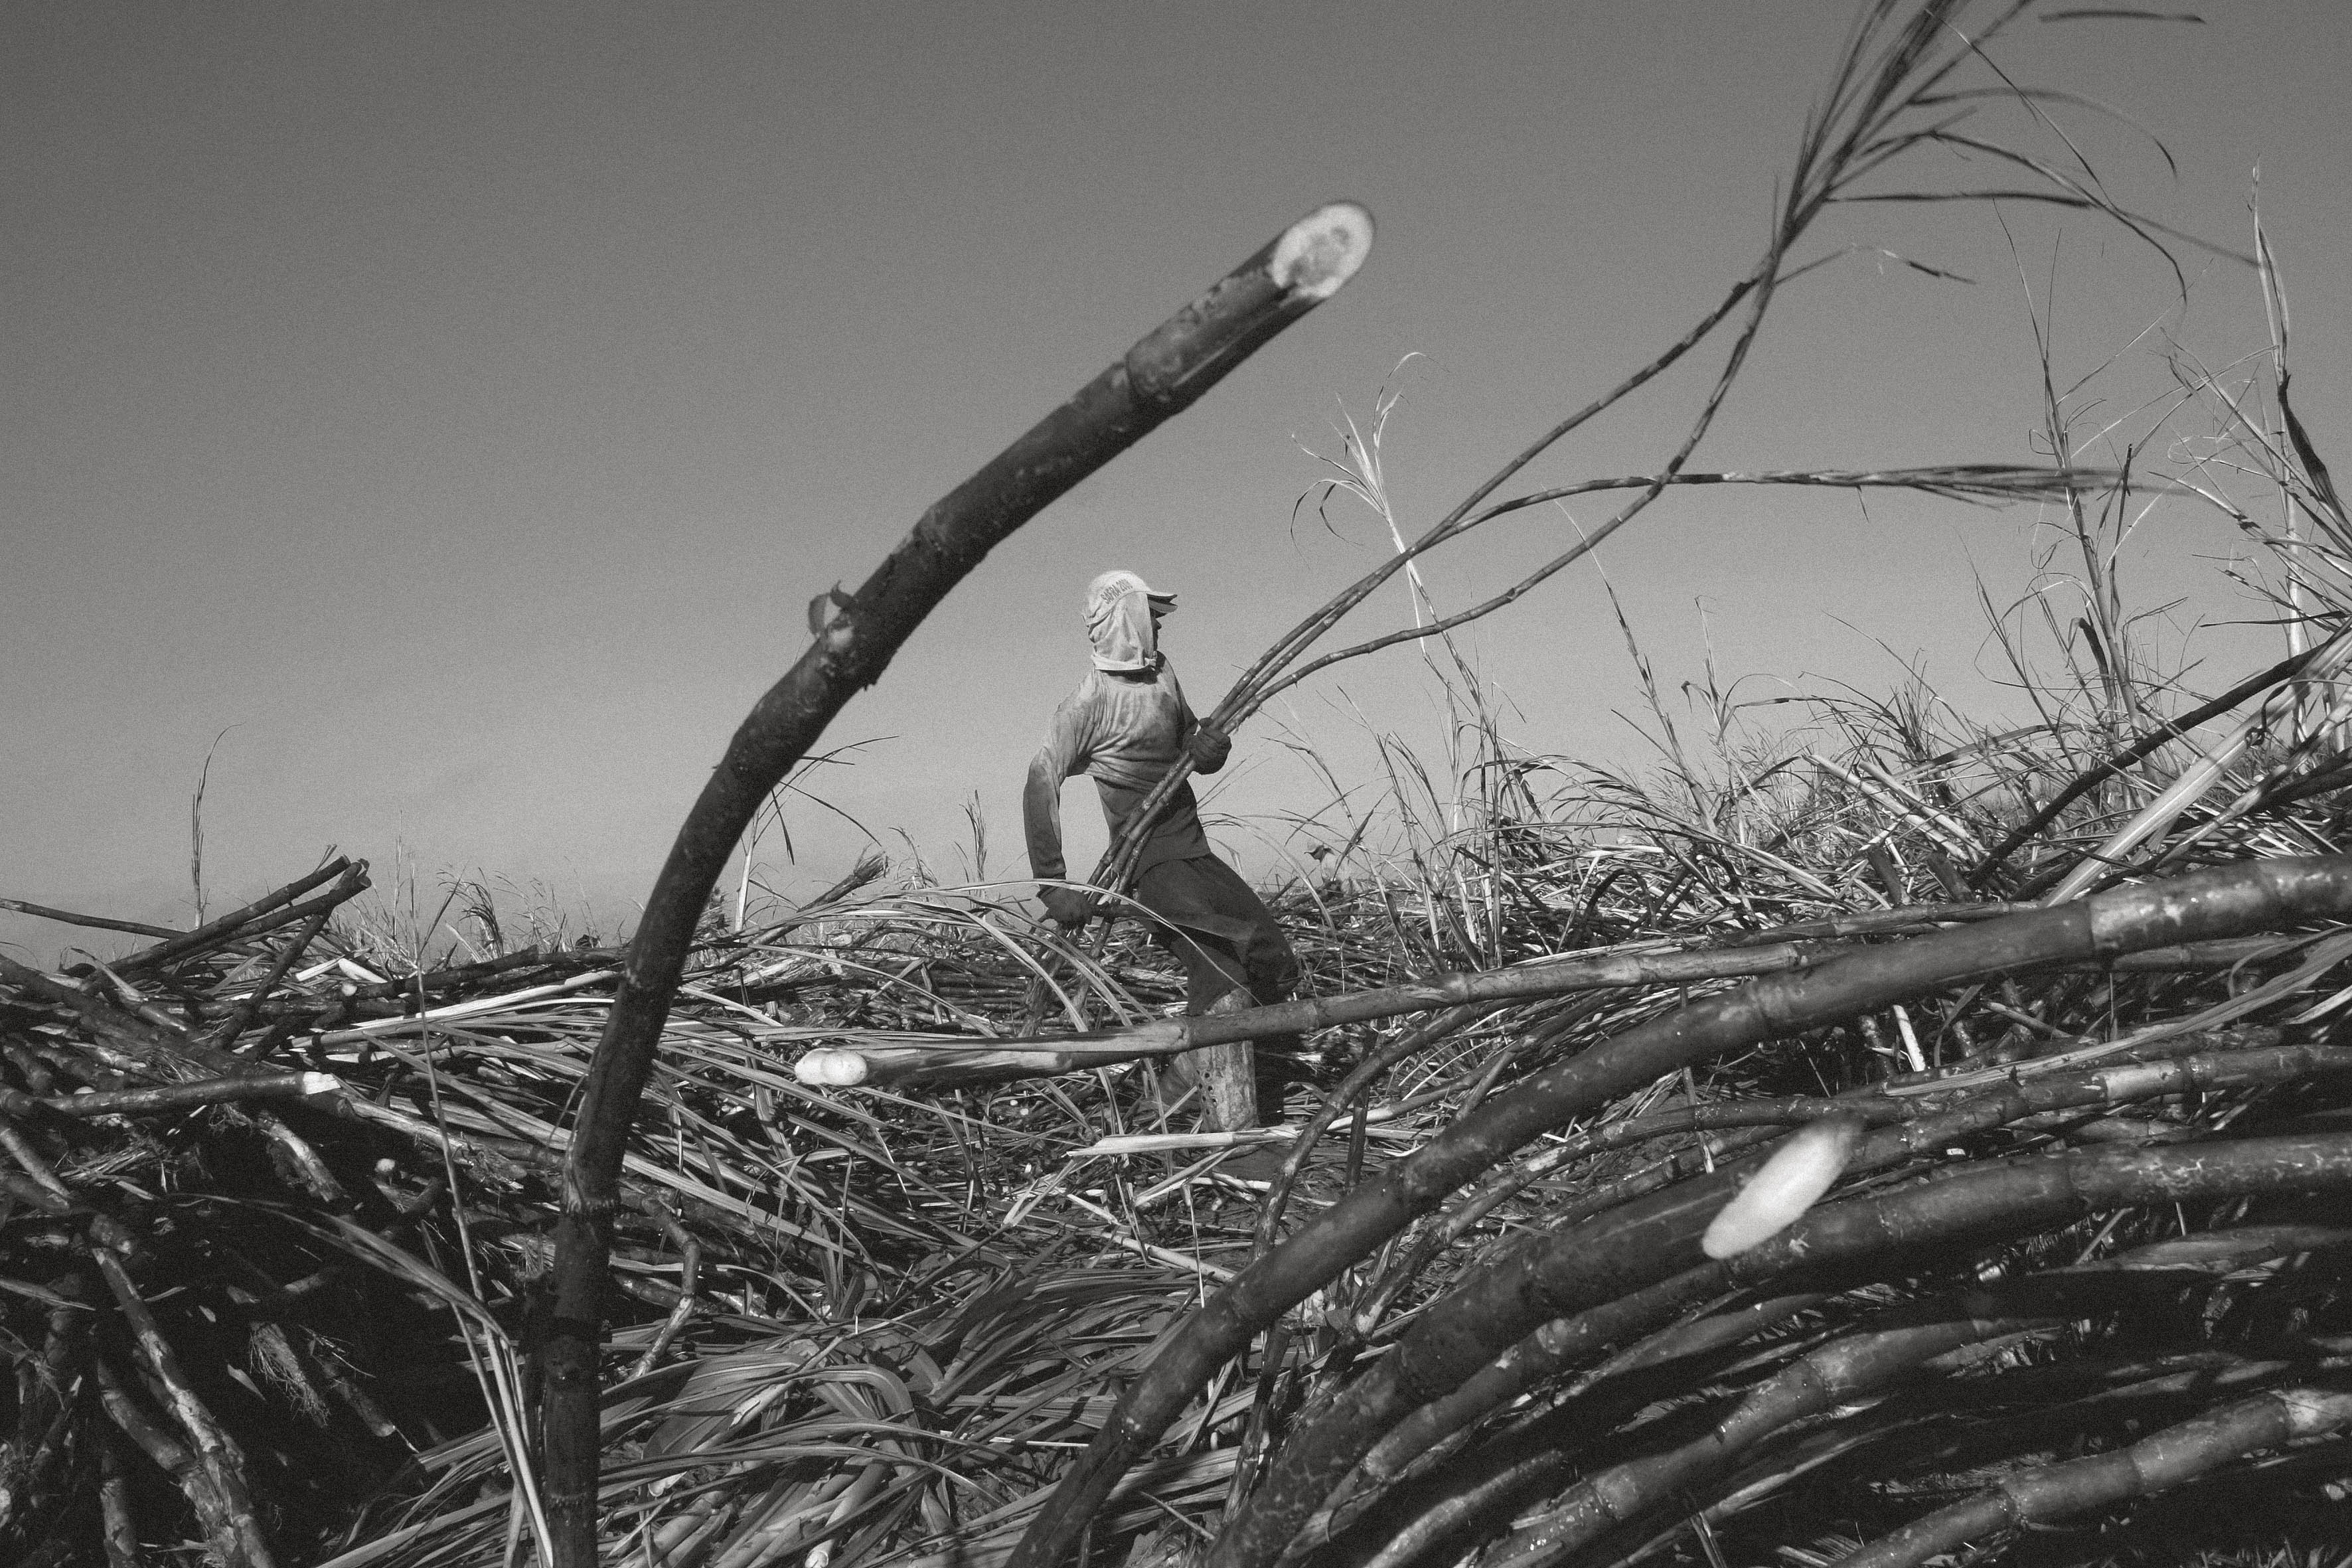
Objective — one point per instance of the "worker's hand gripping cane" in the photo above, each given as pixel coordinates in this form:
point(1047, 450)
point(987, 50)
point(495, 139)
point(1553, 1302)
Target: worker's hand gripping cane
point(1067, 907)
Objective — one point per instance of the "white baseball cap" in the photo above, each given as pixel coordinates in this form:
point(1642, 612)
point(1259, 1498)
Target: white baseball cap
point(1116, 584)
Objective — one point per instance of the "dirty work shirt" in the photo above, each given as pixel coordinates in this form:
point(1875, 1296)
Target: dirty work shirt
point(1124, 730)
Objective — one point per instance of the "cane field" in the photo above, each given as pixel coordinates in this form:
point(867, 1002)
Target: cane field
point(1862, 1130)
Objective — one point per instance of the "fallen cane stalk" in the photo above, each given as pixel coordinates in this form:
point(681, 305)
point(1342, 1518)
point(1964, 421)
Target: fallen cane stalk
point(931, 1064)
point(167, 1453)
point(2162, 1459)
point(174, 1097)
point(234, 922)
point(118, 1528)
point(856, 639)
point(950, 1060)
point(243, 1015)
point(689, 1258)
point(237, 1533)
point(97, 922)
point(1163, 1143)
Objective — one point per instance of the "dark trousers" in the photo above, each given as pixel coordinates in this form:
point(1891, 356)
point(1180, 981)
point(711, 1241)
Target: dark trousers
point(1228, 942)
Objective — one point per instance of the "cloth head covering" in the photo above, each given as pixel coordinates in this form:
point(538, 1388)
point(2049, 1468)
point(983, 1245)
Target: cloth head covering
point(1119, 621)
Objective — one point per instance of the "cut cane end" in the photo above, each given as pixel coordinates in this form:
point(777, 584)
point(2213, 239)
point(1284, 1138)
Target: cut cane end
point(1791, 1182)
point(831, 1069)
point(1322, 250)
point(2314, 1412)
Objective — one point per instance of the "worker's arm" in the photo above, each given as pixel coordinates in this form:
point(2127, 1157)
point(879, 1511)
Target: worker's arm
point(1041, 817)
point(1065, 753)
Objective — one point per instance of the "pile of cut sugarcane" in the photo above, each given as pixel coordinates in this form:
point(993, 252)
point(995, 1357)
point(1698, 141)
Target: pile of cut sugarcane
point(1889, 1141)
point(275, 1195)
point(278, 1201)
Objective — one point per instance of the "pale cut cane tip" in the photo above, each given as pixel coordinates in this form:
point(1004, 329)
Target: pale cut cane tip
point(831, 1069)
point(1322, 250)
point(1791, 1181)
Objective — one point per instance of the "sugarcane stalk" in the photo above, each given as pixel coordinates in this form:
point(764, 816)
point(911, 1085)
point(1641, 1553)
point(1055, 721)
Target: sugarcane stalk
point(2174, 729)
point(951, 1065)
point(1616, 1495)
point(1766, 1116)
point(144, 1041)
point(2167, 1459)
point(96, 922)
point(415, 1023)
point(233, 924)
point(2005, 1416)
point(2328, 659)
point(234, 1528)
point(917, 1064)
point(167, 1454)
point(574, 959)
point(1458, 1334)
point(972, 1060)
point(294, 1157)
point(689, 1268)
point(118, 1528)
point(1537, 1454)
point(1562, 1342)
point(246, 1010)
point(172, 1097)
point(2227, 901)
point(856, 637)
point(44, 1181)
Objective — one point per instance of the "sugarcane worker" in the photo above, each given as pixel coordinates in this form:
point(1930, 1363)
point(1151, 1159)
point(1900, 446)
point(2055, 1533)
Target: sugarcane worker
point(1125, 726)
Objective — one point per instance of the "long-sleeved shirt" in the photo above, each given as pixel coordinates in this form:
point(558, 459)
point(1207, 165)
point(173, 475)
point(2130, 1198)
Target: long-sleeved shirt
point(1124, 730)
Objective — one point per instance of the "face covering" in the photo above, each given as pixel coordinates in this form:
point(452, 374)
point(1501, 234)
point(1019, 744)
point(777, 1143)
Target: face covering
point(1118, 621)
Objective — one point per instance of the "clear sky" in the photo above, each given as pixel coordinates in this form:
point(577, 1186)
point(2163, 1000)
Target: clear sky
point(454, 408)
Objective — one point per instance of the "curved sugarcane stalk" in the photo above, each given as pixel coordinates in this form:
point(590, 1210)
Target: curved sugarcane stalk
point(856, 637)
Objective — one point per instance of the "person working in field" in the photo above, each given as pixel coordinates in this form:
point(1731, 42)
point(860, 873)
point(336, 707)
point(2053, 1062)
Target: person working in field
point(1126, 726)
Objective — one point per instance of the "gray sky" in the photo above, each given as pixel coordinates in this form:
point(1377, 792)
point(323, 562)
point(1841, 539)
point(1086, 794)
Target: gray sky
point(458, 406)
